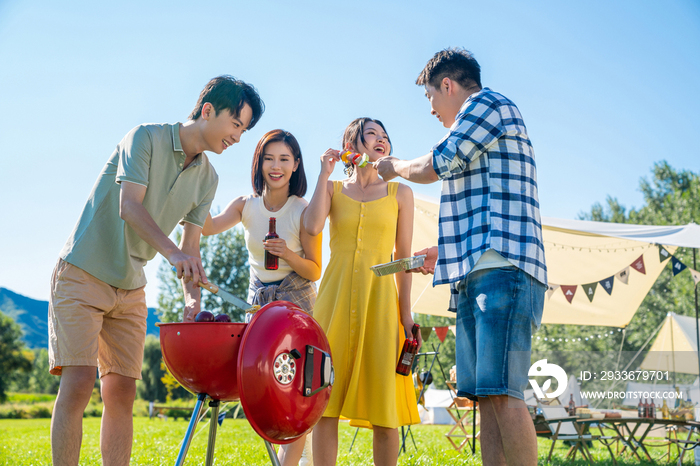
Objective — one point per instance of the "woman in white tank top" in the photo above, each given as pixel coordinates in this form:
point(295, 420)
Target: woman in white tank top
point(279, 184)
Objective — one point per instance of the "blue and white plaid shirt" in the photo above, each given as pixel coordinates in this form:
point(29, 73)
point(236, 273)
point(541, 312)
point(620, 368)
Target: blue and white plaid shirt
point(489, 191)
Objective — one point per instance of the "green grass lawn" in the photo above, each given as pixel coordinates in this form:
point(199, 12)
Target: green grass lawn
point(156, 442)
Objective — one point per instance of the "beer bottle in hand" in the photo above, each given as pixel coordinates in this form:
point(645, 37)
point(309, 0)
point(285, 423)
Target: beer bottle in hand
point(410, 348)
point(271, 261)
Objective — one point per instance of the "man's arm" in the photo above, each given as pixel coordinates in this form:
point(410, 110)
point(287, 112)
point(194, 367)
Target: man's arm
point(189, 244)
point(132, 211)
point(418, 170)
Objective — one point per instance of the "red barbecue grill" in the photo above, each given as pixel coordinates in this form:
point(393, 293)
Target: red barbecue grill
point(278, 365)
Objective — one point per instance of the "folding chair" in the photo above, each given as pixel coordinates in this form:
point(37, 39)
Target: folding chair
point(682, 445)
point(564, 427)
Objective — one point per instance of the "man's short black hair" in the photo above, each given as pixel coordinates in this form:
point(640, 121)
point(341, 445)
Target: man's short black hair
point(228, 93)
point(458, 64)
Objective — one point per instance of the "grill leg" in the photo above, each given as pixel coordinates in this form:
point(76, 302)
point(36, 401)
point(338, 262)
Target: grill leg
point(190, 430)
point(214, 405)
point(273, 454)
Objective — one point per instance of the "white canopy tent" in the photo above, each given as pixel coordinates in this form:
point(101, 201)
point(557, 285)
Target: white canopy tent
point(425, 298)
point(577, 253)
point(583, 252)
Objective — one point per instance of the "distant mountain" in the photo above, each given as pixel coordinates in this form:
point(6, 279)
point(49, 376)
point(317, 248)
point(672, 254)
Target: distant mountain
point(32, 317)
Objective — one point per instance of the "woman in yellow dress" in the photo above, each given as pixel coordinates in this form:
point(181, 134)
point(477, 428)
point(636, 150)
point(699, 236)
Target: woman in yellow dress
point(363, 315)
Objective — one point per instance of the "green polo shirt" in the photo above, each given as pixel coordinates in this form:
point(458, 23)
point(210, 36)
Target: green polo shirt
point(151, 155)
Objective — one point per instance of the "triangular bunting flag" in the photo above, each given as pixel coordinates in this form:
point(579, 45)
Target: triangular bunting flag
point(607, 284)
point(623, 275)
point(441, 333)
point(569, 291)
point(590, 290)
point(677, 266)
point(696, 275)
point(453, 329)
point(551, 288)
point(425, 332)
point(663, 254)
point(638, 265)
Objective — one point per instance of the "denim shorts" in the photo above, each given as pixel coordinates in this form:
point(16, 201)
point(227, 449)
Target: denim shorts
point(497, 311)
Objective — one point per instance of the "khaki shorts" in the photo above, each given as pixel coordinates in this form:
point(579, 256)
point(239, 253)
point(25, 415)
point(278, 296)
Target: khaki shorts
point(92, 323)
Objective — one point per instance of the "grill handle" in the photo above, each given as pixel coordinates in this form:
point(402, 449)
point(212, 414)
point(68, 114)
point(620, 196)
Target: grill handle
point(327, 374)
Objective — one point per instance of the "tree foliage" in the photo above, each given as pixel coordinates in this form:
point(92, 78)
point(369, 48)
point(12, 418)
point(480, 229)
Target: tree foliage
point(671, 197)
point(14, 359)
point(225, 260)
point(37, 379)
point(150, 386)
point(446, 350)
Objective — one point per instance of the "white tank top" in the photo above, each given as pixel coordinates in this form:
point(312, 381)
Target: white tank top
point(255, 219)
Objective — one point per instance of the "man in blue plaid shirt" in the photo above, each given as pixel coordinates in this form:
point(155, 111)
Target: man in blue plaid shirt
point(489, 248)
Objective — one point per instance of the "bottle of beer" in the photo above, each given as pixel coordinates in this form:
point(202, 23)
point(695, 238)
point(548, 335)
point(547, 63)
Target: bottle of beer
point(652, 409)
point(646, 408)
point(665, 412)
point(640, 409)
point(271, 261)
point(572, 406)
point(409, 350)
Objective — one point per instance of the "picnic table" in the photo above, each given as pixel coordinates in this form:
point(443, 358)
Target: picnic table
point(632, 431)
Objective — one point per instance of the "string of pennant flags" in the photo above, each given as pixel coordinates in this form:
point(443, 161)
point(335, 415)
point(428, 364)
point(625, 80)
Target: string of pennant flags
point(441, 332)
point(622, 276)
point(605, 334)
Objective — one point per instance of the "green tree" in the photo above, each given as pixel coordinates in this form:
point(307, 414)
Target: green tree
point(41, 381)
point(37, 379)
point(225, 260)
point(13, 359)
point(671, 197)
point(150, 387)
point(173, 389)
point(446, 358)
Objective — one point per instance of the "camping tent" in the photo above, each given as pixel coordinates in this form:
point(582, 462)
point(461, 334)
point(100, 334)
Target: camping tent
point(436, 404)
point(572, 388)
point(580, 255)
point(675, 348)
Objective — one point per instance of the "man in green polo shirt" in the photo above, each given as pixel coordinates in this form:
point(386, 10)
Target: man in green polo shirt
point(157, 176)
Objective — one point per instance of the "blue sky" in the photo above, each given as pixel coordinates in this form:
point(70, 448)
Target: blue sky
point(606, 90)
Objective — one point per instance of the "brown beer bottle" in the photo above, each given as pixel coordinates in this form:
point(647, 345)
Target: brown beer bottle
point(652, 409)
point(665, 412)
point(572, 406)
point(409, 350)
point(271, 261)
point(646, 408)
point(641, 412)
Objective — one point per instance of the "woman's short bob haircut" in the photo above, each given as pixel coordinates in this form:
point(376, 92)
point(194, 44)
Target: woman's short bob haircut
point(355, 134)
point(297, 182)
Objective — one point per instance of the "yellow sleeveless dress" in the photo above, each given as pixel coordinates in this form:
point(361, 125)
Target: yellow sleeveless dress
point(360, 315)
